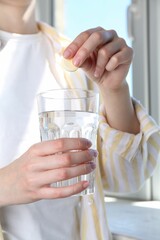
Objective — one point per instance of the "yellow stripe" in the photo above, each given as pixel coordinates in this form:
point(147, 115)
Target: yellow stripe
point(94, 216)
point(124, 174)
point(128, 146)
point(73, 79)
point(147, 127)
point(99, 183)
point(117, 140)
point(153, 163)
point(152, 160)
point(101, 195)
point(138, 108)
point(94, 207)
point(96, 222)
point(136, 171)
point(107, 132)
point(144, 118)
point(101, 153)
point(116, 183)
point(103, 156)
point(68, 80)
point(84, 225)
point(112, 150)
point(154, 144)
point(51, 31)
point(122, 166)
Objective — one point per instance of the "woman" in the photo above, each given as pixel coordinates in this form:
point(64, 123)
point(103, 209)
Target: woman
point(30, 207)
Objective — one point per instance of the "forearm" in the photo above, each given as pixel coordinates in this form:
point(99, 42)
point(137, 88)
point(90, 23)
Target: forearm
point(119, 109)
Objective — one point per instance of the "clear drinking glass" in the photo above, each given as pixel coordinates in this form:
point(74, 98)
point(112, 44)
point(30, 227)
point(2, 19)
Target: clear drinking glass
point(70, 113)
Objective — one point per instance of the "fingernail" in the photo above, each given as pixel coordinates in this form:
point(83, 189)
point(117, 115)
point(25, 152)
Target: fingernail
point(85, 184)
point(91, 165)
point(93, 152)
point(77, 61)
point(67, 53)
point(97, 74)
point(88, 143)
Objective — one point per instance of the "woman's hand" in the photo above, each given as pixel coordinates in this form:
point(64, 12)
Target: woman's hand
point(103, 55)
point(29, 178)
point(106, 59)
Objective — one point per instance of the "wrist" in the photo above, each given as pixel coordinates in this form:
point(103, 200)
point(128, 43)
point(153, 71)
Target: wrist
point(116, 89)
point(119, 110)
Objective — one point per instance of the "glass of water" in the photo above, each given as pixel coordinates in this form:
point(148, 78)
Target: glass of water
point(70, 113)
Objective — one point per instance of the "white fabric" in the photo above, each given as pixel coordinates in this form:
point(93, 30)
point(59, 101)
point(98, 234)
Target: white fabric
point(26, 72)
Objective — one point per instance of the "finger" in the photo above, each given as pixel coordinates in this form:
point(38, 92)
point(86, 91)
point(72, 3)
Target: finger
point(59, 145)
point(56, 175)
point(53, 193)
point(93, 43)
point(64, 160)
point(72, 48)
point(123, 57)
point(106, 53)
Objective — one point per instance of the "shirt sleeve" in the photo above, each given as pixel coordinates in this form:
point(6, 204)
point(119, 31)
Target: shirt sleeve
point(127, 160)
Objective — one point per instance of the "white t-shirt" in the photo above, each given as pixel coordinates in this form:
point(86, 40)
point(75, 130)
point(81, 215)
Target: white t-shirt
point(24, 72)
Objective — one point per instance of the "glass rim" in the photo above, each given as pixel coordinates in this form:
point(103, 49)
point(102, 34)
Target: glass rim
point(92, 92)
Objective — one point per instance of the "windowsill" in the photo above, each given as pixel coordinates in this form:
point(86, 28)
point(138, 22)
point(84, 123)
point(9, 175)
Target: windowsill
point(133, 220)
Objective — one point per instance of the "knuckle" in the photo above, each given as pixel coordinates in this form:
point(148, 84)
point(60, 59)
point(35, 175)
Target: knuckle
point(26, 166)
point(29, 167)
point(30, 182)
point(104, 53)
point(75, 45)
point(100, 28)
point(98, 37)
point(84, 51)
point(79, 143)
point(129, 52)
point(60, 143)
point(85, 35)
point(115, 60)
point(121, 41)
point(68, 159)
point(113, 32)
point(63, 174)
point(33, 147)
point(28, 185)
point(33, 150)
